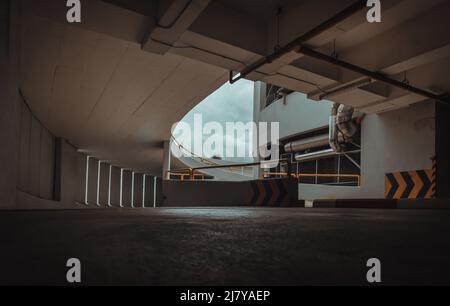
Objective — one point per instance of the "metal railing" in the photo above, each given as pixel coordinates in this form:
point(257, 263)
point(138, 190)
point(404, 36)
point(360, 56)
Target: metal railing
point(298, 176)
point(243, 170)
point(186, 176)
point(192, 172)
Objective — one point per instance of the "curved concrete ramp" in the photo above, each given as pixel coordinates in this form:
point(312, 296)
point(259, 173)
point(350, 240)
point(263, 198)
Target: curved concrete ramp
point(263, 193)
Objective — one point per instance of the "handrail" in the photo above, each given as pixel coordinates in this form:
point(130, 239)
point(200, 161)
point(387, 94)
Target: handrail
point(202, 159)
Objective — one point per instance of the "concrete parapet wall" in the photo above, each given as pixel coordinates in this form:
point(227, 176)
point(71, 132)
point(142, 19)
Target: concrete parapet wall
point(262, 193)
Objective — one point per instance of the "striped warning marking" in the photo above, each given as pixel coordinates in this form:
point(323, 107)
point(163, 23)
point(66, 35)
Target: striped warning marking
point(415, 184)
point(268, 192)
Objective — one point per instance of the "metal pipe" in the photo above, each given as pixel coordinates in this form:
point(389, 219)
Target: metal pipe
point(263, 162)
point(175, 20)
point(307, 143)
point(336, 19)
point(155, 179)
point(315, 155)
point(333, 135)
point(344, 121)
point(374, 75)
point(132, 189)
point(109, 185)
point(98, 182)
point(121, 188)
point(143, 189)
point(86, 192)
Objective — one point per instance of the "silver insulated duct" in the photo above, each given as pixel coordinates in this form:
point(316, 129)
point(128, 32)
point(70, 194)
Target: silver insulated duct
point(342, 127)
point(344, 121)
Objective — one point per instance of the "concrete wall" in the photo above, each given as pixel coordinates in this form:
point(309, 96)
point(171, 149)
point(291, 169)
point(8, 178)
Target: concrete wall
point(126, 188)
point(9, 102)
point(27, 150)
point(36, 157)
point(400, 140)
point(104, 184)
point(137, 189)
point(32, 173)
point(73, 173)
point(73, 165)
point(92, 179)
point(442, 150)
point(296, 116)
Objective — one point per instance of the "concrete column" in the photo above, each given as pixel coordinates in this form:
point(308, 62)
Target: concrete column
point(92, 180)
point(149, 190)
point(103, 182)
point(9, 101)
point(166, 160)
point(114, 195)
point(259, 97)
point(442, 148)
point(126, 188)
point(158, 192)
point(73, 174)
point(137, 189)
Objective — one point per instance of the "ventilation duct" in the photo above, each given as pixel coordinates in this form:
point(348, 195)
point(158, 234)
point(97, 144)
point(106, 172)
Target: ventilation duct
point(315, 155)
point(342, 127)
point(345, 123)
point(307, 143)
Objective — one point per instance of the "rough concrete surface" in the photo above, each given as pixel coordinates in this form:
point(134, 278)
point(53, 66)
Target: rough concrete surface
point(226, 246)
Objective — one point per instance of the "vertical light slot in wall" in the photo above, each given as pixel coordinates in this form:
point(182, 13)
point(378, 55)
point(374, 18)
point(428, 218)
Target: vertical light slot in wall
point(109, 186)
point(87, 181)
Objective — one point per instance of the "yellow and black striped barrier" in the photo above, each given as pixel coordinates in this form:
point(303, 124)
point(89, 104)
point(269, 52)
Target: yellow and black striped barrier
point(416, 184)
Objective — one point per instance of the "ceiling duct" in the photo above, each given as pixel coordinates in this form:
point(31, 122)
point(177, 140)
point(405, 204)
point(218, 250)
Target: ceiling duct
point(315, 155)
point(307, 143)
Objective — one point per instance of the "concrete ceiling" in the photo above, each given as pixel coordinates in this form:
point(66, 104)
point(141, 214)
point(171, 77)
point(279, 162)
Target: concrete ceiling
point(107, 96)
point(263, 10)
point(114, 84)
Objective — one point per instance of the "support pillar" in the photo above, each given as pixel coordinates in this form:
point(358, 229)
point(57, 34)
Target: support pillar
point(442, 141)
point(259, 99)
point(166, 160)
point(9, 101)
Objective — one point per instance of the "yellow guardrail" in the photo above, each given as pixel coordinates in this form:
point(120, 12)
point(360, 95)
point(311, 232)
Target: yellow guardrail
point(191, 172)
point(186, 176)
point(300, 175)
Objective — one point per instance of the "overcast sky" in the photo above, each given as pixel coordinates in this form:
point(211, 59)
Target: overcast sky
point(230, 103)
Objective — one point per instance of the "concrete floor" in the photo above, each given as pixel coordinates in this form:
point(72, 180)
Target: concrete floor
point(233, 246)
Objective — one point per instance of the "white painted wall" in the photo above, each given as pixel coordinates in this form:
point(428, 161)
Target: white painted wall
point(9, 105)
point(400, 140)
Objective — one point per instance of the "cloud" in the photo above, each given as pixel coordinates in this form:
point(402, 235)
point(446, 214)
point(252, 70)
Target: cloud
point(230, 103)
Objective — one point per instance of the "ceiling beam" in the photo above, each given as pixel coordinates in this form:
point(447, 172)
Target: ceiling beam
point(172, 21)
point(373, 75)
point(377, 53)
